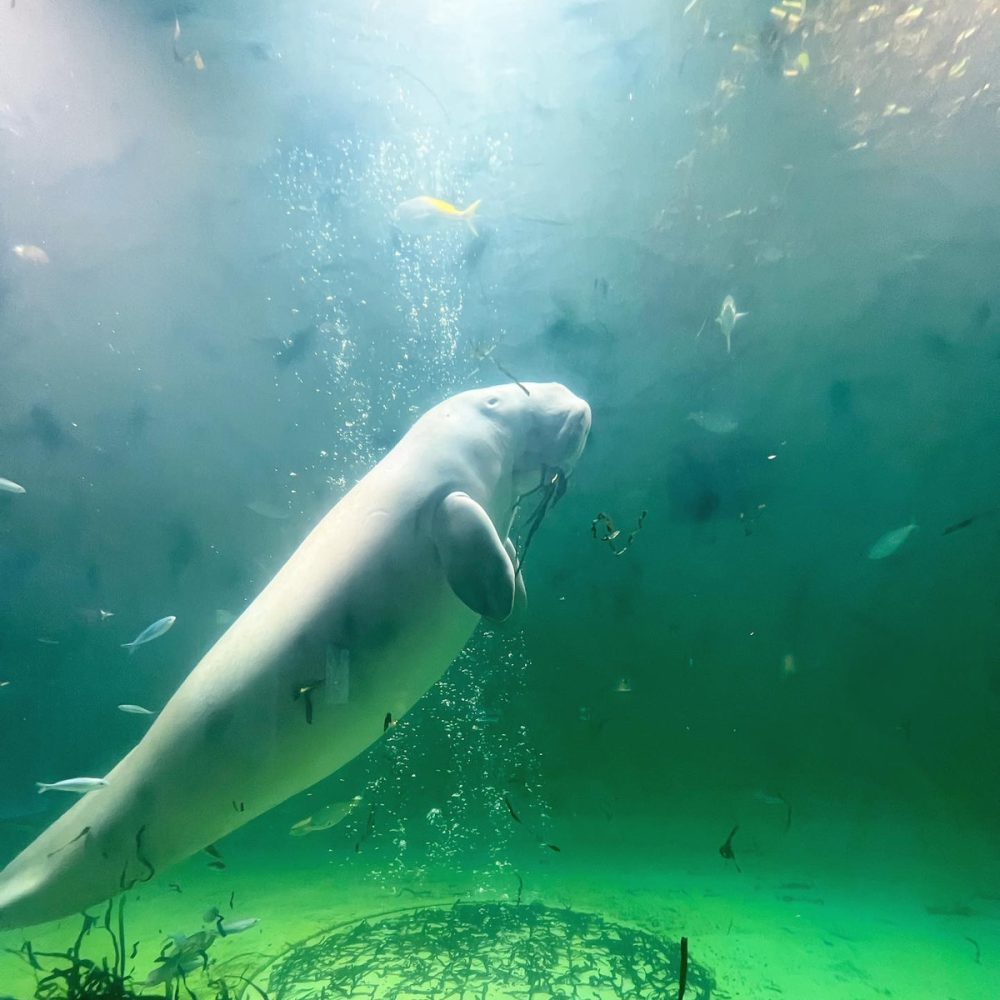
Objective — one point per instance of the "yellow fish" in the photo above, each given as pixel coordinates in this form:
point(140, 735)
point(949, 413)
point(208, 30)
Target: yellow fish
point(417, 214)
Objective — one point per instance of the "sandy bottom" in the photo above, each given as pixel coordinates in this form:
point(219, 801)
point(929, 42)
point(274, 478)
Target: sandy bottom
point(814, 913)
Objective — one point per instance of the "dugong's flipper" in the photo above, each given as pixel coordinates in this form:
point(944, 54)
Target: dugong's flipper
point(475, 561)
point(520, 593)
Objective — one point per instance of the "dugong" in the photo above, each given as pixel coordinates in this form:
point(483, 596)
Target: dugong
point(364, 617)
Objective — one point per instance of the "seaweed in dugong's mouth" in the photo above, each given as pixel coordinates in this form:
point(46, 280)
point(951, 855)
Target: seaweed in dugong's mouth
point(552, 487)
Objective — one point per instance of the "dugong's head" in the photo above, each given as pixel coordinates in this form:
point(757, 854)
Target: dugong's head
point(545, 424)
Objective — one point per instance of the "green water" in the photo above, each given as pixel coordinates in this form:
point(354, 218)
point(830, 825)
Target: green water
point(211, 327)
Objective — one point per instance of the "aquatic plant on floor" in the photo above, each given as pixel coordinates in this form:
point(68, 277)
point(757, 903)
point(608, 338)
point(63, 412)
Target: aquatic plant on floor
point(487, 949)
point(71, 975)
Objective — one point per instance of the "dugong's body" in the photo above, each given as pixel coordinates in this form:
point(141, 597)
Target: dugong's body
point(363, 618)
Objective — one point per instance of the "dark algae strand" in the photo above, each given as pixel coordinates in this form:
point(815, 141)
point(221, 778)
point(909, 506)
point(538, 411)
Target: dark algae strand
point(683, 975)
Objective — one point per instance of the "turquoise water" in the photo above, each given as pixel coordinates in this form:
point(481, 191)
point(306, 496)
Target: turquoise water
point(215, 318)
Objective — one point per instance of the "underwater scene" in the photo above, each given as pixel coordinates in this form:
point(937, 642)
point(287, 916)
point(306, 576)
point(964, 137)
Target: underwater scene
point(499, 501)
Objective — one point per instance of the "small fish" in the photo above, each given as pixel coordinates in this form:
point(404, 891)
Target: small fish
point(891, 541)
point(911, 14)
point(227, 927)
point(776, 799)
point(958, 525)
point(326, 818)
point(95, 616)
point(967, 521)
point(31, 253)
point(417, 214)
point(172, 969)
point(192, 57)
point(217, 865)
point(150, 633)
point(513, 815)
point(79, 785)
point(714, 423)
point(304, 691)
point(727, 320)
point(270, 511)
point(726, 850)
point(135, 710)
point(296, 346)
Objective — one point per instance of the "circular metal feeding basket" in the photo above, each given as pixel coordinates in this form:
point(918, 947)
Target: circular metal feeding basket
point(484, 951)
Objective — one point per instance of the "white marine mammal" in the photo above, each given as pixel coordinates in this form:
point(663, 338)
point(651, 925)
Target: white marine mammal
point(363, 618)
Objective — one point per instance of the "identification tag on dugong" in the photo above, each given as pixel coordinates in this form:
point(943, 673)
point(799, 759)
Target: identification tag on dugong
point(371, 608)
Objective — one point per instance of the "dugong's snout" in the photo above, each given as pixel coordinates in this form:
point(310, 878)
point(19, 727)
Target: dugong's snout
point(572, 437)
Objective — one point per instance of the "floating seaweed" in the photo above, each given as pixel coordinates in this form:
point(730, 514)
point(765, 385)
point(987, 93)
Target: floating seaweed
point(610, 534)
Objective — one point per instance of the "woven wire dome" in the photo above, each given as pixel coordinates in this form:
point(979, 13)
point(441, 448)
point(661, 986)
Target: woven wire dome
point(485, 951)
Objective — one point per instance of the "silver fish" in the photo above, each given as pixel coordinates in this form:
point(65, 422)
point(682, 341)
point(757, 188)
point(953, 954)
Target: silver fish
point(79, 785)
point(227, 927)
point(727, 320)
point(135, 710)
point(8, 486)
point(172, 968)
point(271, 511)
point(150, 633)
point(891, 541)
point(714, 423)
